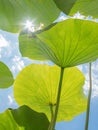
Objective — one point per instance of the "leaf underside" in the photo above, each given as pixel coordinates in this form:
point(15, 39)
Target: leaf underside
point(68, 43)
point(36, 86)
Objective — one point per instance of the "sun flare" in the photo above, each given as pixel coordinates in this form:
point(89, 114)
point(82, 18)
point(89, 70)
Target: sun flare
point(29, 26)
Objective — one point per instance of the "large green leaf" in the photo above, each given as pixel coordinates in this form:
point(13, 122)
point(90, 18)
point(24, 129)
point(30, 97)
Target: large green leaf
point(68, 43)
point(85, 7)
point(23, 118)
point(13, 13)
point(37, 85)
point(30, 119)
point(6, 77)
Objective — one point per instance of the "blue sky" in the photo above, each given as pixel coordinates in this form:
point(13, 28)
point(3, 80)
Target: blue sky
point(10, 55)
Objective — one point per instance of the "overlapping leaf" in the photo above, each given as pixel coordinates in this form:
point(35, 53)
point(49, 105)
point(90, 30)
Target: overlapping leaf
point(6, 77)
point(37, 85)
point(68, 43)
point(23, 118)
point(85, 7)
point(13, 13)
point(7, 122)
point(65, 5)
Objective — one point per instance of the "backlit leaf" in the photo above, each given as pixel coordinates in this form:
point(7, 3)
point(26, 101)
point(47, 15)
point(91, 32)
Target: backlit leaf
point(7, 122)
point(14, 13)
point(36, 86)
point(6, 77)
point(68, 43)
point(85, 7)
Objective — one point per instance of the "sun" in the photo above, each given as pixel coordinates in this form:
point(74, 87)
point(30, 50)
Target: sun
point(29, 26)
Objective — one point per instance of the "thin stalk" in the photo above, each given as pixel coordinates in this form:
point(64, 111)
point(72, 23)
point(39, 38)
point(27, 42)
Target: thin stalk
point(52, 127)
point(89, 98)
point(51, 109)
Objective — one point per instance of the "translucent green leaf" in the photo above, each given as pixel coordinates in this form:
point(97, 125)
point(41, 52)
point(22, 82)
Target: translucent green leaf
point(36, 86)
point(23, 118)
point(14, 13)
point(68, 43)
point(85, 7)
point(7, 122)
point(6, 77)
point(33, 48)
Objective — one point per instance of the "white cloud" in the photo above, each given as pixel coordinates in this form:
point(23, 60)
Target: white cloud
point(10, 99)
point(9, 52)
point(78, 16)
point(7, 99)
point(3, 41)
point(17, 64)
point(85, 70)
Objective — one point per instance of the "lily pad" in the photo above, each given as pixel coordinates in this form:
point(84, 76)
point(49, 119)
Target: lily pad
point(6, 77)
point(68, 43)
point(36, 86)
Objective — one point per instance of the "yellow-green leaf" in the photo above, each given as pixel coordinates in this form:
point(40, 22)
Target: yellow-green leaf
point(7, 121)
point(6, 77)
point(37, 86)
point(68, 43)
